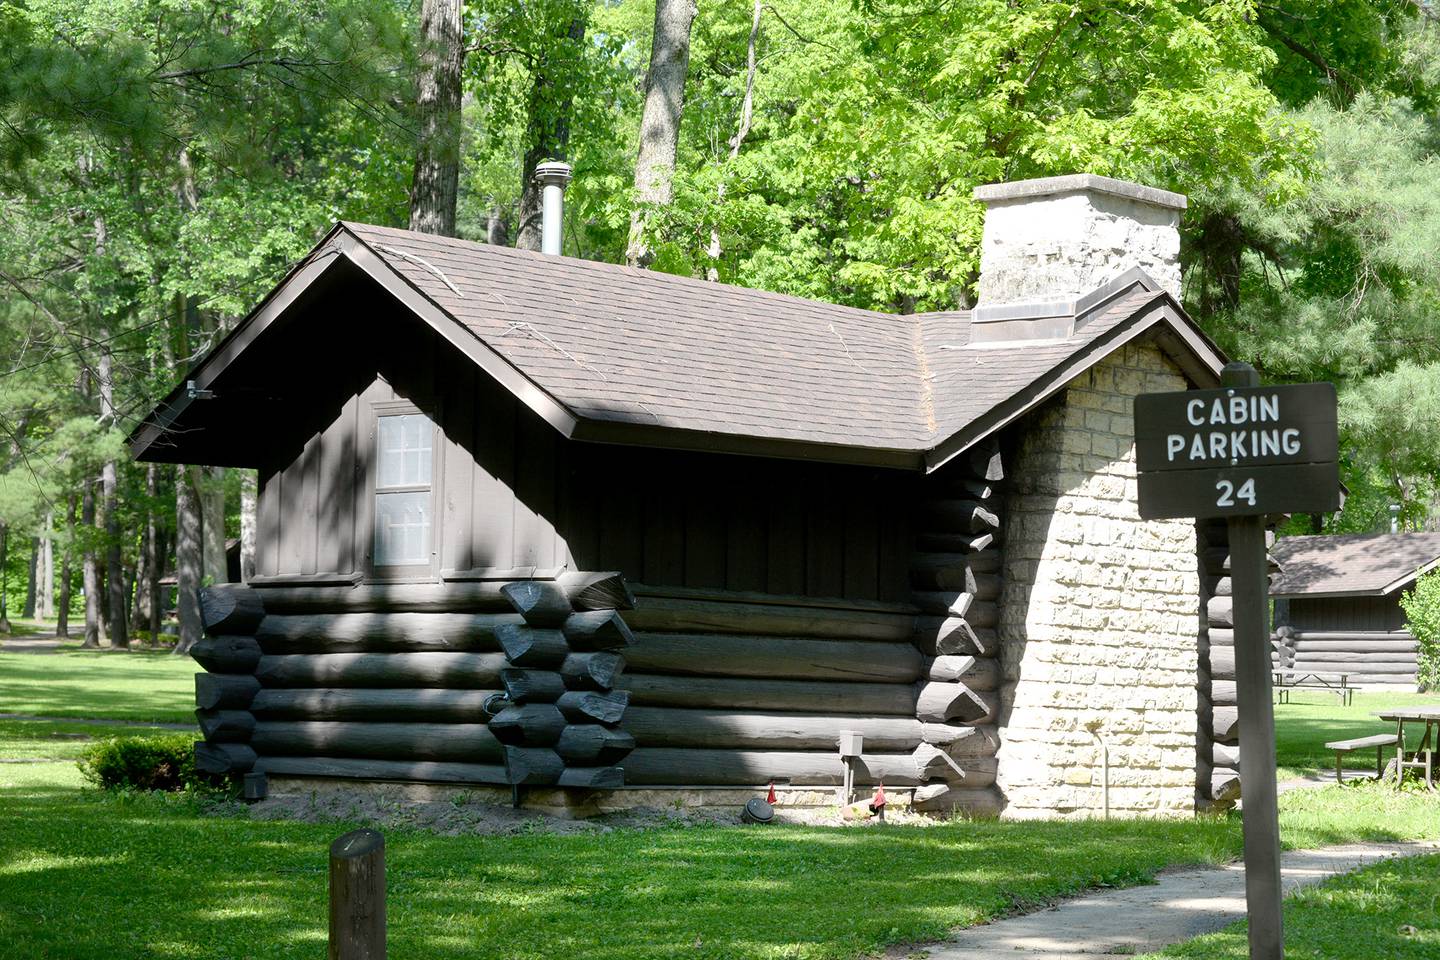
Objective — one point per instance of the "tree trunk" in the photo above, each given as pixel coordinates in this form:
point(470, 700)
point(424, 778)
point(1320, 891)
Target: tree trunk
point(140, 609)
point(110, 484)
point(91, 565)
point(47, 569)
point(188, 559)
point(547, 133)
point(249, 497)
point(1221, 246)
point(32, 574)
point(4, 584)
point(660, 120)
point(62, 615)
point(214, 568)
point(496, 233)
point(435, 185)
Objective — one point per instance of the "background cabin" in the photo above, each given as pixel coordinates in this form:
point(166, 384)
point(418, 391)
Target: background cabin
point(1339, 597)
point(587, 531)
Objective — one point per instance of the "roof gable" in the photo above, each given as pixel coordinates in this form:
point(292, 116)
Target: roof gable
point(615, 354)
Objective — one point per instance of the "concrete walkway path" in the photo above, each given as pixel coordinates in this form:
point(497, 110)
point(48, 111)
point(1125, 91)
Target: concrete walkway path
point(1181, 904)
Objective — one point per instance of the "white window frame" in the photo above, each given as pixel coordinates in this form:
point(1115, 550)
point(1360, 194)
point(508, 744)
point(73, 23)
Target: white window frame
point(427, 571)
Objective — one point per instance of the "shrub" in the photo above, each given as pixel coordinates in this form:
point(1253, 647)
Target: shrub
point(1422, 614)
point(164, 762)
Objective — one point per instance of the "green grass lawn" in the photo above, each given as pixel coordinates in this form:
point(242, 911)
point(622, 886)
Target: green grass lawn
point(90, 875)
point(74, 864)
point(1311, 719)
point(60, 739)
point(139, 686)
point(1389, 910)
point(74, 861)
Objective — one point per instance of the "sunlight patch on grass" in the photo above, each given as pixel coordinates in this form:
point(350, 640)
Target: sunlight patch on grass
point(23, 863)
point(146, 687)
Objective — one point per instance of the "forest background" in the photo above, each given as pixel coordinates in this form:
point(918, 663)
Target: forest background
point(164, 162)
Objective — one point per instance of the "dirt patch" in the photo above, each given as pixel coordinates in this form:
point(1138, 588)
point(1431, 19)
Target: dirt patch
point(463, 814)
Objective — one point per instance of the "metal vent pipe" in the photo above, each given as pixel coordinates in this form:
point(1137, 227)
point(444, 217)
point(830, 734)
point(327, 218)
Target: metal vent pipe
point(552, 176)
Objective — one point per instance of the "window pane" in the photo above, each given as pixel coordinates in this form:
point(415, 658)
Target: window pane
point(404, 450)
point(402, 528)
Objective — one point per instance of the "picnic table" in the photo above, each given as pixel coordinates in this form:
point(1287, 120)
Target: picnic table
point(1337, 682)
point(1423, 756)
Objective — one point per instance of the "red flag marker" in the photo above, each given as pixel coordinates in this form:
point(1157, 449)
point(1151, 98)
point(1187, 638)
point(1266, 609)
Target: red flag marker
point(770, 797)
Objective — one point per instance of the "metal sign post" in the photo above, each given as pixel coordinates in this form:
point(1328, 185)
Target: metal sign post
point(1241, 453)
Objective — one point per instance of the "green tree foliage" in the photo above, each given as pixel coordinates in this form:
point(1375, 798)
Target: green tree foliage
point(1342, 283)
point(160, 190)
point(1421, 604)
point(873, 125)
point(163, 162)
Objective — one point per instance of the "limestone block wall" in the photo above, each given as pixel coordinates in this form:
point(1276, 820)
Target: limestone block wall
point(1100, 612)
point(1059, 238)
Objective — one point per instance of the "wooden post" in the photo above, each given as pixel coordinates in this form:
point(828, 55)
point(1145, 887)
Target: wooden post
point(1250, 589)
point(357, 896)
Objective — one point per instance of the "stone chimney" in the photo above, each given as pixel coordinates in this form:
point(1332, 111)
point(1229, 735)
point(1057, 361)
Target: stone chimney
point(1050, 243)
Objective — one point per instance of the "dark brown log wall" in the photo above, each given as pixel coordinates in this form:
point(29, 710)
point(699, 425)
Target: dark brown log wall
point(1364, 636)
point(520, 698)
point(955, 577)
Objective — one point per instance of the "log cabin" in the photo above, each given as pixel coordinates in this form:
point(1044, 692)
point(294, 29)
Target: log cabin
point(602, 536)
point(1337, 604)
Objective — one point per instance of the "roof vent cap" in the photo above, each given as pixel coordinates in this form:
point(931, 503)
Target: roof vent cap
point(552, 176)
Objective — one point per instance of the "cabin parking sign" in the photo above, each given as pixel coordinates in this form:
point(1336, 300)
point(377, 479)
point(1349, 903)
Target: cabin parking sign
point(1242, 452)
point(1238, 451)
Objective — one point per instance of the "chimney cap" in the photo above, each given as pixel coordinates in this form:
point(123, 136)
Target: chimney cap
point(1076, 183)
point(553, 173)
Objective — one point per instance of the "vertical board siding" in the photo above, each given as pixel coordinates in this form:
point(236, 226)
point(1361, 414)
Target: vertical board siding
point(336, 532)
point(534, 493)
point(705, 535)
point(862, 548)
point(785, 557)
point(825, 536)
point(492, 532)
point(310, 502)
point(267, 524)
point(621, 519)
point(1360, 614)
point(746, 547)
point(512, 493)
point(458, 487)
point(664, 532)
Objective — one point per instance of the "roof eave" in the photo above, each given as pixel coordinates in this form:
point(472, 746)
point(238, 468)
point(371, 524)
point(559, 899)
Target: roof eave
point(300, 278)
point(1410, 577)
point(660, 436)
point(1323, 595)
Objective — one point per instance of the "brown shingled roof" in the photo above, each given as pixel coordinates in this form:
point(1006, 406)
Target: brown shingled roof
point(613, 353)
point(1369, 564)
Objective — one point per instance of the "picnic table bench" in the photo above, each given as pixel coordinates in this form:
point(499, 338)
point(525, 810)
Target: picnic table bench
point(1379, 741)
point(1335, 681)
point(1422, 755)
